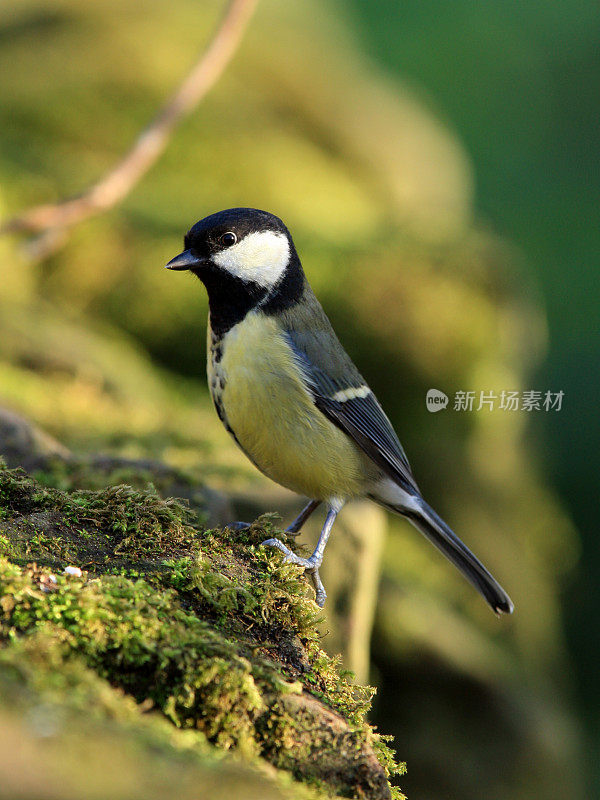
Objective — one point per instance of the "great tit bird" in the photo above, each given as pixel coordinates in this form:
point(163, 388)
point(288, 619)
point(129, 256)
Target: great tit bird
point(290, 396)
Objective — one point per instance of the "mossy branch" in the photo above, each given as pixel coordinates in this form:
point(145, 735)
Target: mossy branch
point(207, 628)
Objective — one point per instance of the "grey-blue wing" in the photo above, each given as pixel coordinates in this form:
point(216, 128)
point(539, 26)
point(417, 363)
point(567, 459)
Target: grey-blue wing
point(348, 402)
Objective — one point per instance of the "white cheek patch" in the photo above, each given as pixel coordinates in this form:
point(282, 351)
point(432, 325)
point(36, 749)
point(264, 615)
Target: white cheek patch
point(260, 257)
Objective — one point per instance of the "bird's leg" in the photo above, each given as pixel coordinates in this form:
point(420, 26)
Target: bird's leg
point(313, 563)
point(294, 528)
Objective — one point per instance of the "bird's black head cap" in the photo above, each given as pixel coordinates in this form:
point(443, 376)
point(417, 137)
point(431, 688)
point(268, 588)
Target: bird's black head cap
point(205, 236)
point(246, 259)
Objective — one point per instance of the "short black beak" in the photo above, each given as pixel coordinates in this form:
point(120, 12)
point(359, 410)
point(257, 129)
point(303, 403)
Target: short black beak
point(185, 260)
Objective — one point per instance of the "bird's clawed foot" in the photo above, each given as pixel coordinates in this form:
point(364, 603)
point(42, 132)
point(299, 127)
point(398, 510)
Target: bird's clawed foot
point(291, 557)
point(291, 531)
point(311, 565)
point(238, 526)
point(320, 593)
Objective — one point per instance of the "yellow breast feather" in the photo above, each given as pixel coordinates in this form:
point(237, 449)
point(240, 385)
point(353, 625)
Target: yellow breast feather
point(274, 419)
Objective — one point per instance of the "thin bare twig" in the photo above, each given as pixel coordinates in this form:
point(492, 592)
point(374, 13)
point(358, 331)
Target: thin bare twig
point(52, 221)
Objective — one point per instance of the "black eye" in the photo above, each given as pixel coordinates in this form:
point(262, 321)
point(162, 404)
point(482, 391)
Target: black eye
point(228, 239)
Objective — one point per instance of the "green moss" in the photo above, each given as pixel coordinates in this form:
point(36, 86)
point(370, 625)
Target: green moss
point(143, 641)
point(6, 548)
point(93, 526)
point(56, 707)
point(206, 626)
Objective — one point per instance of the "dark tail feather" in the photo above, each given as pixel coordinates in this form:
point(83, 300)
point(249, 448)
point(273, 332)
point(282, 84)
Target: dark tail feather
point(439, 534)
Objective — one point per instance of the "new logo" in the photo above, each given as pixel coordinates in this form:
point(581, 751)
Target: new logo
point(436, 400)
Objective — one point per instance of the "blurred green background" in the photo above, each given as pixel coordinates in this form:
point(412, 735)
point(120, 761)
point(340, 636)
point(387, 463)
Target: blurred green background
point(437, 164)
